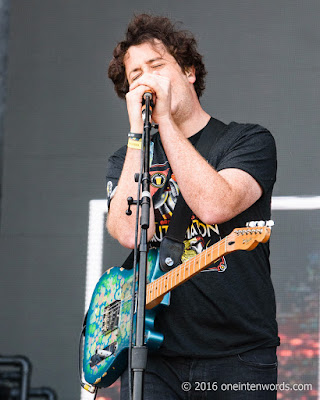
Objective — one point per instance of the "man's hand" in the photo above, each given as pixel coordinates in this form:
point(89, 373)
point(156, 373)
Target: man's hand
point(134, 106)
point(160, 86)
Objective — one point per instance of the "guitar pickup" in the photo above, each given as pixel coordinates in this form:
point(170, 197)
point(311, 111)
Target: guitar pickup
point(111, 317)
point(102, 354)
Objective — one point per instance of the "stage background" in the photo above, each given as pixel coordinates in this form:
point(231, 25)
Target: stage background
point(63, 120)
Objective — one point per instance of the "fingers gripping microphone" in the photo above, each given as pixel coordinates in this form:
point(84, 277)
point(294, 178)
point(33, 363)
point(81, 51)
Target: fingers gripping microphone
point(147, 102)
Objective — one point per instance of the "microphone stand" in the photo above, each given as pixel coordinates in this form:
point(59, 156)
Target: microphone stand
point(139, 351)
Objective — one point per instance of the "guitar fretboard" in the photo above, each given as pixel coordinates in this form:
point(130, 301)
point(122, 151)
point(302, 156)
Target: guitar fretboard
point(185, 271)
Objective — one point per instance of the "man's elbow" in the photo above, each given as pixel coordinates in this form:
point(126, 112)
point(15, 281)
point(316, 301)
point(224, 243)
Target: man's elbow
point(128, 241)
point(217, 215)
point(224, 213)
point(213, 218)
point(125, 238)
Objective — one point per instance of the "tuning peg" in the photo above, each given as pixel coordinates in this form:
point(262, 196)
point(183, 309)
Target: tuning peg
point(252, 224)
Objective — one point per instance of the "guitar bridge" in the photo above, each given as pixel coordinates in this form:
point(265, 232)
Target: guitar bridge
point(111, 317)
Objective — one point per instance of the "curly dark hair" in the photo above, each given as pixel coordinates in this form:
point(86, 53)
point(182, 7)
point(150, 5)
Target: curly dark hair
point(181, 44)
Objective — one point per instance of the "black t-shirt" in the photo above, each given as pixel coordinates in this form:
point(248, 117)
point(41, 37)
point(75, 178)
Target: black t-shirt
point(229, 307)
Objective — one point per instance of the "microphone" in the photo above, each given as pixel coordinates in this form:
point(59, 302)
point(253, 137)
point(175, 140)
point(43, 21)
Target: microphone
point(147, 95)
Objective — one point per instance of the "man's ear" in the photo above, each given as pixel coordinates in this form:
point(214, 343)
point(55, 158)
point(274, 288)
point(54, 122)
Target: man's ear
point(191, 74)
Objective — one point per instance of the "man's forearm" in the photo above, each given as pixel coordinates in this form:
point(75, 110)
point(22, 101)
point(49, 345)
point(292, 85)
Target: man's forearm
point(120, 225)
point(214, 197)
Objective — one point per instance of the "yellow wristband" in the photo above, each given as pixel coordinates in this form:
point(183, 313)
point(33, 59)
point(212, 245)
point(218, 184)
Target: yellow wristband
point(135, 144)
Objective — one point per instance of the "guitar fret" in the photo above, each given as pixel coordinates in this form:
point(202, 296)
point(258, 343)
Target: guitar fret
point(195, 267)
point(164, 283)
point(154, 290)
point(188, 268)
point(151, 291)
point(175, 276)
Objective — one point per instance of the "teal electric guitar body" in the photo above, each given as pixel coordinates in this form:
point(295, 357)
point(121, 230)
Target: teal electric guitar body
point(108, 320)
point(108, 323)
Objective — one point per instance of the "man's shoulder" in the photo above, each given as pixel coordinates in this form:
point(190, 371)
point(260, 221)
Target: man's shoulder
point(247, 133)
point(246, 129)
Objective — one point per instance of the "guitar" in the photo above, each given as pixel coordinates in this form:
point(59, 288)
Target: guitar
point(108, 320)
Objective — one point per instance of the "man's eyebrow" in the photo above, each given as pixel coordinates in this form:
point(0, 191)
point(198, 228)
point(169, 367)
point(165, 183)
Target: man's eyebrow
point(147, 62)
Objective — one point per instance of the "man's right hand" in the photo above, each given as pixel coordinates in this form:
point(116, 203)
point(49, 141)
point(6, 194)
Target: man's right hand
point(134, 107)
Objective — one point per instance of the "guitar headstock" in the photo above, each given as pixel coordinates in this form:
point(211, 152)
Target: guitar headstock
point(249, 237)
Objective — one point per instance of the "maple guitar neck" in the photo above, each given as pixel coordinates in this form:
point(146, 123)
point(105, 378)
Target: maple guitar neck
point(239, 239)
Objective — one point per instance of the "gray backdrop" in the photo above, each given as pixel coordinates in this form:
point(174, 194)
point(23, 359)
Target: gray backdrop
point(63, 120)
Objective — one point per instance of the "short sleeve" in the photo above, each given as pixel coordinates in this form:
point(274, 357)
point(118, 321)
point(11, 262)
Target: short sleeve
point(114, 169)
point(252, 149)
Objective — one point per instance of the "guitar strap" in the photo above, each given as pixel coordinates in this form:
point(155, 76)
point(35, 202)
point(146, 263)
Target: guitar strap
point(172, 245)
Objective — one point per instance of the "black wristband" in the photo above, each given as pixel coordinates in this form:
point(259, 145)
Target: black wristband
point(136, 136)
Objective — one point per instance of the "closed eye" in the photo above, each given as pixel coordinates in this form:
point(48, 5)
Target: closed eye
point(156, 66)
point(136, 77)
point(139, 74)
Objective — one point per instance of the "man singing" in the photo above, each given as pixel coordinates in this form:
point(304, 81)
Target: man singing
point(220, 326)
